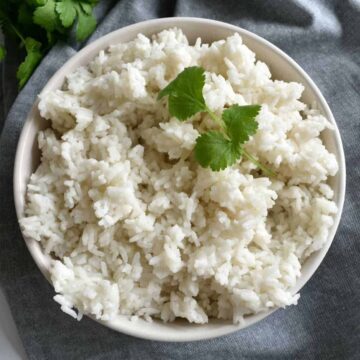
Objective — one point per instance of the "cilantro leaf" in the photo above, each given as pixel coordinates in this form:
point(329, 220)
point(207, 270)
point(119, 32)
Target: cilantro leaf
point(32, 45)
point(240, 122)
point(185, 93)
point(213, 150)
point(36, 2)
point(86, 7)
point(86, 24)
point(45, 16)
point(2, 52)
point(32, 59)
point(67, 12)
point(91, 2)
point(45, 22)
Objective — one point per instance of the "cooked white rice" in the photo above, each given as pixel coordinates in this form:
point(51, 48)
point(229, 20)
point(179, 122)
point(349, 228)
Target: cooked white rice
point(136, 227)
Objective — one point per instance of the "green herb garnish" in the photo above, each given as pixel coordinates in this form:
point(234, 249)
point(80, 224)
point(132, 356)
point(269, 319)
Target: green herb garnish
point(37, 24)
point(214, 149)
point(2, 52)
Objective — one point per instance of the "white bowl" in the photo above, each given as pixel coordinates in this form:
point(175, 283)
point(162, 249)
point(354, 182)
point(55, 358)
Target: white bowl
point(281, 66)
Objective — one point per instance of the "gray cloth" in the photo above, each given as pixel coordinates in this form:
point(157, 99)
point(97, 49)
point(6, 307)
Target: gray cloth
point(323, 37)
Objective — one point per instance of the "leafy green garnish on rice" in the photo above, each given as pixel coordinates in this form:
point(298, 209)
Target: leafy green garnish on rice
point(215, 149)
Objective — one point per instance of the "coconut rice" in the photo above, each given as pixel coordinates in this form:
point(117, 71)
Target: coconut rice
point(136, 227)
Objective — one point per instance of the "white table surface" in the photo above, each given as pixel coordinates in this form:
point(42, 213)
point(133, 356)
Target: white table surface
point(11, 347)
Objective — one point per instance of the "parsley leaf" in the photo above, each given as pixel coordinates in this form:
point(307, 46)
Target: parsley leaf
point(45, 16)
point(2, 52)
point(240, 122)
point(67, 12)
point(213, 150)
point(185, 93)
point(86, 24)
point(45, 21)
point(36, 2)
point(86, 7)
point(32, 59)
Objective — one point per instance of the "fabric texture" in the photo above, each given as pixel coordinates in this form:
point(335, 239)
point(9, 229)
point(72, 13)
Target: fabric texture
point(323, 37)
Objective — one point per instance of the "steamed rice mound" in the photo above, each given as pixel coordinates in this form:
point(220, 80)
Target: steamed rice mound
point(136, 227)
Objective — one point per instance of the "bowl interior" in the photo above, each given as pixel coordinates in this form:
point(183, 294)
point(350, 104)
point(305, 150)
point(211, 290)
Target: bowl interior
point(281, 66)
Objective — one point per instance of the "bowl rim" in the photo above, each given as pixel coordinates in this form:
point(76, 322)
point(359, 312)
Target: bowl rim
point(180, 22)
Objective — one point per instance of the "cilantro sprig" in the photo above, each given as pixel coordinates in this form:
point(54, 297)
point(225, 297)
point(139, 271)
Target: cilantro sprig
point(215, 149)
point(37, 24)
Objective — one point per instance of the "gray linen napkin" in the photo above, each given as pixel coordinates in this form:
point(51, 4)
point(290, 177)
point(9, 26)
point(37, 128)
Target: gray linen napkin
point(323, 37)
